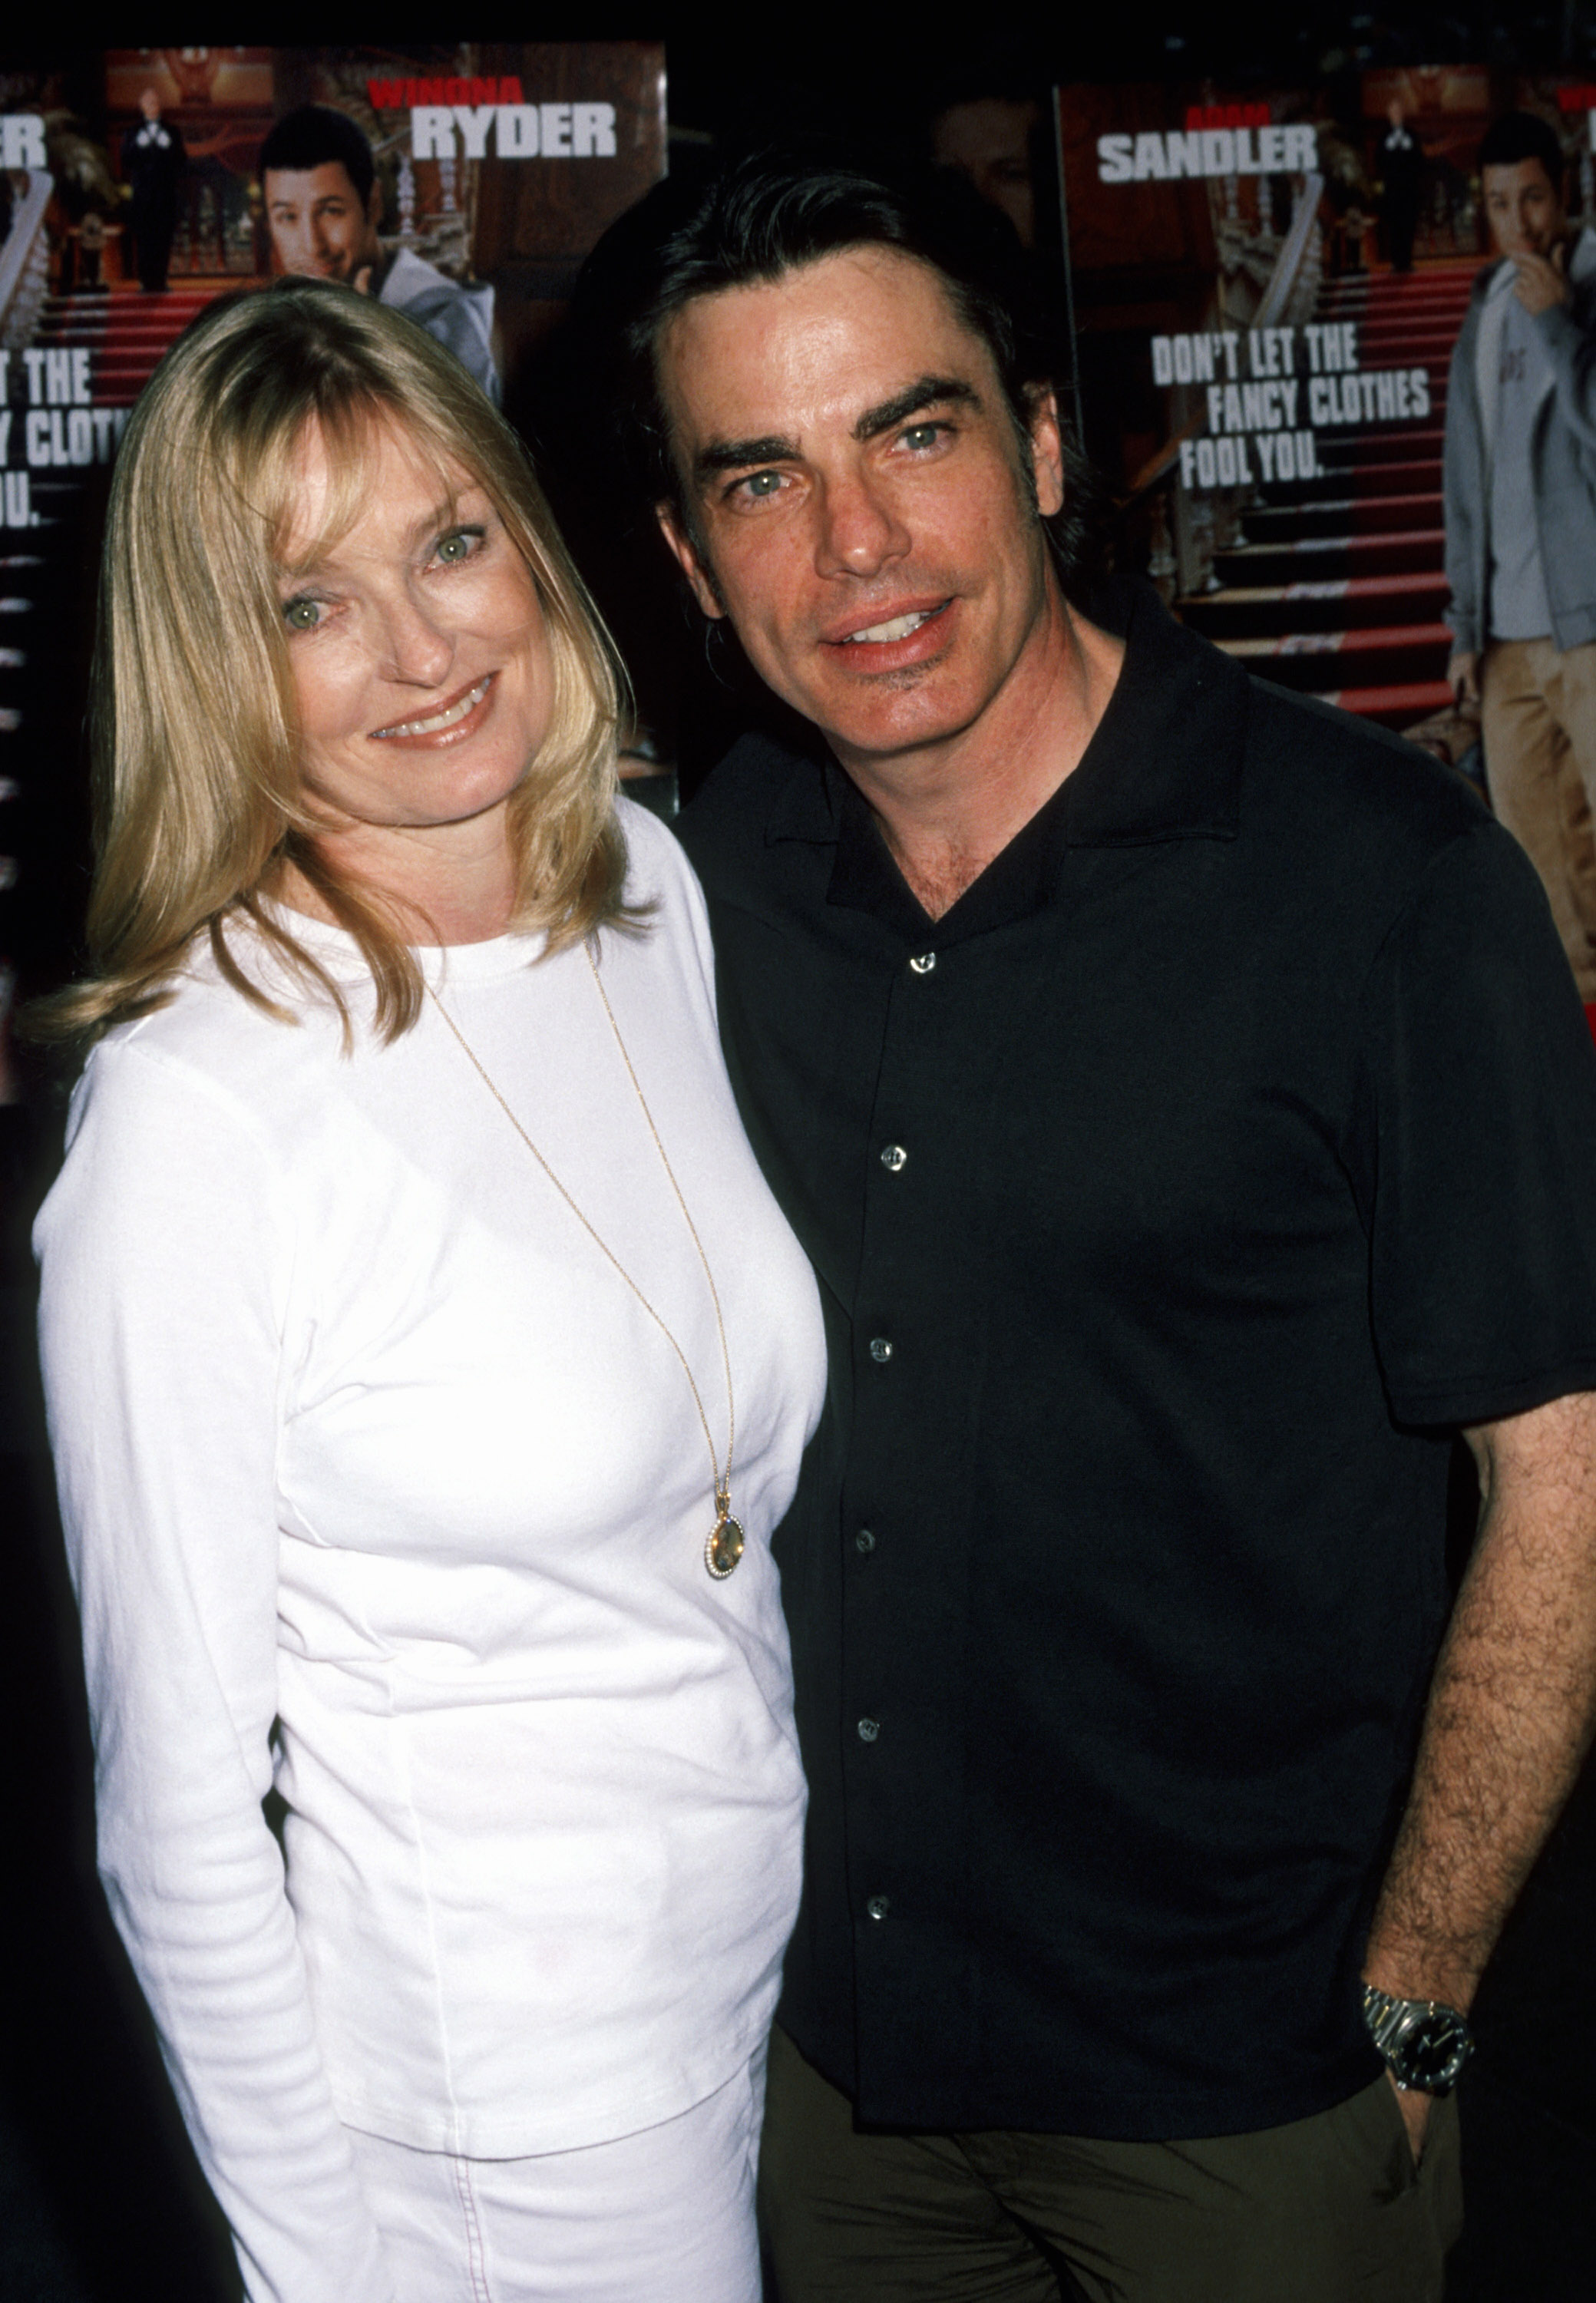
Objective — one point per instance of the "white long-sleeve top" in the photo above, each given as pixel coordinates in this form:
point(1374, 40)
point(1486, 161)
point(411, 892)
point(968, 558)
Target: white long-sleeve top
point(378, 1480)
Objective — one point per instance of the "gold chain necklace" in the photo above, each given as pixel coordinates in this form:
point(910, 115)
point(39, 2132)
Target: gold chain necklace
point(725, 1543)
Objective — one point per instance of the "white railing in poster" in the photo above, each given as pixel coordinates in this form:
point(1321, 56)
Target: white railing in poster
point(1296, 261)
point(25, 264)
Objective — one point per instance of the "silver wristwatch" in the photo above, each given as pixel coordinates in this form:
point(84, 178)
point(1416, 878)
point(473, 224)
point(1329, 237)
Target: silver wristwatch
point(1424, 2043)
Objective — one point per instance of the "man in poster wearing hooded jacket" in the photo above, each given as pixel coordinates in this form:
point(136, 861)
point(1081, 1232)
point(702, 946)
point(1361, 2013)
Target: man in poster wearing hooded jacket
point(1521, 521)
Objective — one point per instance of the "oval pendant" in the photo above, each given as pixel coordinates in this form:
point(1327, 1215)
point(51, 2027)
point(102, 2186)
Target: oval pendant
point(724, 1547)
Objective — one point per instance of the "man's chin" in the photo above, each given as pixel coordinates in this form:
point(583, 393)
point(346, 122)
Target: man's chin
point(906, 722)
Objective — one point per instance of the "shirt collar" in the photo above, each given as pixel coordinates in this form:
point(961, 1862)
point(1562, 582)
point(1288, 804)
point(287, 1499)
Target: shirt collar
point(1164, 762)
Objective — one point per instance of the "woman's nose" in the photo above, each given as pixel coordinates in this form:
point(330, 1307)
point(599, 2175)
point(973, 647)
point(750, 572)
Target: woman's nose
point(419, 651)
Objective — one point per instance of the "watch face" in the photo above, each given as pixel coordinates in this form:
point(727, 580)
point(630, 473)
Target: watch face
point(1431, 2055)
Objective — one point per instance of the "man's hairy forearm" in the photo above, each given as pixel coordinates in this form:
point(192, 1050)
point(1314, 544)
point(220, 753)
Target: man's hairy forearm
point(1510, 1710)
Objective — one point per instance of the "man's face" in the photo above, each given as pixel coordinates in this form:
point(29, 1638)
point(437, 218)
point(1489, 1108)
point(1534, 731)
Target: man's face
point(1523, 209)
point(858, 504)
point(317, 222)
point(990, 141)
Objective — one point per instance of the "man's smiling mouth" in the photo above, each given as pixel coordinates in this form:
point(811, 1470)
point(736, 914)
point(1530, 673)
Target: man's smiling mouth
point(896, 628)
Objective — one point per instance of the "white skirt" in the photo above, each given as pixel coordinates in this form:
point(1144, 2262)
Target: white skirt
point(662, 2216)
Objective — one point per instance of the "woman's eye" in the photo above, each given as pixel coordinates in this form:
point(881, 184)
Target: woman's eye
point(458, 545)
point(301, 615)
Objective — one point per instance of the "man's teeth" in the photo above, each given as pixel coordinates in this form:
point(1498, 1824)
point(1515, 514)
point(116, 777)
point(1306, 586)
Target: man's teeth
point(899, 628)
point(440, 720)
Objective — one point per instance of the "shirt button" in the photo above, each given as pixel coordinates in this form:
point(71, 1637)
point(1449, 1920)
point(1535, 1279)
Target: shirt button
point(923, 962)
point(880, 1350)
point(869, 1729)
point(863, 1541)
point(878, 1907)
point(892, 1157)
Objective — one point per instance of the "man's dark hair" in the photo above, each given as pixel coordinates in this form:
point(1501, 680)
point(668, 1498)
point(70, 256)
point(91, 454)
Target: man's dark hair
point(782, 208)
point(1518, 136)
point(312, 135)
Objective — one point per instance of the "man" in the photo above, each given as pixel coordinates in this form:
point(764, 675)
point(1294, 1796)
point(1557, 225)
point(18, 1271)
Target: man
point(988, 140)
point(1110, 1027)
point(323, 205)
point(1521, 521)
point(1401, 161)
point(153, 160)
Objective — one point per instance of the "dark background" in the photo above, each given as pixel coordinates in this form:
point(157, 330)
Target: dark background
point(99, 2199)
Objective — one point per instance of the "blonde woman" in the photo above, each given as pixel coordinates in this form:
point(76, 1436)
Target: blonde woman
point(427, 1365)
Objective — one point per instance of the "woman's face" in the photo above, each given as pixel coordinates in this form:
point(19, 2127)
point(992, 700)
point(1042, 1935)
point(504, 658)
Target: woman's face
point(421, 659)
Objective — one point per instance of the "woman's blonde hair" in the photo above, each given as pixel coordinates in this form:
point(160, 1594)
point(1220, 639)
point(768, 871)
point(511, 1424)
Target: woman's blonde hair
point(196, 783)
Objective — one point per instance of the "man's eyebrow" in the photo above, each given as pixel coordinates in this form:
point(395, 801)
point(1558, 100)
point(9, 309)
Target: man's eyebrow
point(930, 392)
point(732, 455)
point(776, 448)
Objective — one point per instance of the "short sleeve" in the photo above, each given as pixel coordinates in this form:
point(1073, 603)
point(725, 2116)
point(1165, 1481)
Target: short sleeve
point(1473, 1146)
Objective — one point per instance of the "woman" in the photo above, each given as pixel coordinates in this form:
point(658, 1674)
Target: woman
point(418, 1332)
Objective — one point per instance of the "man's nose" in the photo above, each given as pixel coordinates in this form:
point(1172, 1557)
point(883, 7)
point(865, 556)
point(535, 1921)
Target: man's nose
point(860, 531)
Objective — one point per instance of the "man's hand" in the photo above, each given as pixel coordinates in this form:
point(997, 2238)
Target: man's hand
point(1463, 678)
point(1510, 1711)
point(1543, 282)
point(1415, 2108)
point(361, 281)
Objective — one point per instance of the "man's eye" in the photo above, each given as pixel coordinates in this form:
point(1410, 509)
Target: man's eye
point(761, 483)
point(922, 435)
point(301, 615)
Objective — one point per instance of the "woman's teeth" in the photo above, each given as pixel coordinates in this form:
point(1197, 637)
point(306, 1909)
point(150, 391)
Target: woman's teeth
point(899, 628)
point(450, 718)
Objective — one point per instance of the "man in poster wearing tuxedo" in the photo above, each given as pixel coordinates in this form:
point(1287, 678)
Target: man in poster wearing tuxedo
point(1107, 1026)
point(153, 160)
point(1521, 521)
point(1402, 174)
point(323, 205)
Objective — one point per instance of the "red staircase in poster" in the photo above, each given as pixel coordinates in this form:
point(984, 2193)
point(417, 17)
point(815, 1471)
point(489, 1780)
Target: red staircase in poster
point(127, 330)
point(1338, 586)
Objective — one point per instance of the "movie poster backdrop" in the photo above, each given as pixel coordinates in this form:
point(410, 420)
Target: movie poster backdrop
point(494, 167)
point(1266, 289)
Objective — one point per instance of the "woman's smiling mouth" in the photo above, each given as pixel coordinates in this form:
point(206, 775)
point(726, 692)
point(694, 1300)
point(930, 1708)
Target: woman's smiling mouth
point(444, 721)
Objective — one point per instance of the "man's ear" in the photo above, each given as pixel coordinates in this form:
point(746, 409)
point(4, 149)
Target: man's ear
point(686, 559)
point(374, 204)
point(1047, 452)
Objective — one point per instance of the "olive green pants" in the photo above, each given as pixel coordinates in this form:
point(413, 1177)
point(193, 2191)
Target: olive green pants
point(1326, 2210)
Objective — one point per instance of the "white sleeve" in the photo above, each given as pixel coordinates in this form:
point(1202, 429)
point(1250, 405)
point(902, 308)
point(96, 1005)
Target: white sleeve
point(163, 1247)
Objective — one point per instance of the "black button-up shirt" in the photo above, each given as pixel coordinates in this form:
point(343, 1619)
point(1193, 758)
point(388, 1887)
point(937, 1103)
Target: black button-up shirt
point(1228, 1143)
